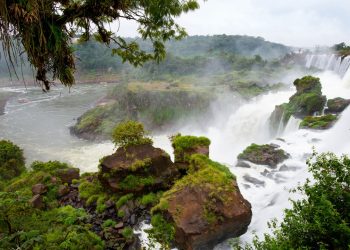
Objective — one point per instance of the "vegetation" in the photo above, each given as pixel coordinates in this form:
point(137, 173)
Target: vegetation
point(184, 146)
point(305, 102)
point(318, 122)
point(54, 24)
point(11, 160)
point(130, 133)
point(162, 232)
point(342, 49)
point(321, 219)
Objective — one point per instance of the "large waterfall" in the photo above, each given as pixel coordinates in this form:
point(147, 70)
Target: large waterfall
point(331, 62)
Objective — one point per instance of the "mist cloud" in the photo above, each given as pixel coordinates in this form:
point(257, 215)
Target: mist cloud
point(304, 23)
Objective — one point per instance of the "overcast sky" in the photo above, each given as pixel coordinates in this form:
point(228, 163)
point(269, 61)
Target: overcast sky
point(291, 22)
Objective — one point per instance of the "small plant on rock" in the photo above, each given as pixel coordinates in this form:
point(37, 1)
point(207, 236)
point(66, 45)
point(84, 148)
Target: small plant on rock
point(130, 133)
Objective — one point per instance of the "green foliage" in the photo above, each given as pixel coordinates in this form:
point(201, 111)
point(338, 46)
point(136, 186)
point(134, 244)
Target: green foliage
point(184, 146)
point(123, 200)
point(130, 133)
point(180, 142)
point(48, 167)
point(108, 223)
point(318, 122)
point(141, 164)
point(11, 160)
point(47, 38)
point(133, 182)
point(127, 233)
point(162, 231)
point(150, 199)
point(321, 219)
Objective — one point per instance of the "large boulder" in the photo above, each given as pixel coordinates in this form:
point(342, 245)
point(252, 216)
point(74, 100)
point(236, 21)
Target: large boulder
point(267, 154)
point(336, 105)
point(137, 169)
point(205, 207)
point(307, 101)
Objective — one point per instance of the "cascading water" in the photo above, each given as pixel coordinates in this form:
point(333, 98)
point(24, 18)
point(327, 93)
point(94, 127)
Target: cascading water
point(331, 62)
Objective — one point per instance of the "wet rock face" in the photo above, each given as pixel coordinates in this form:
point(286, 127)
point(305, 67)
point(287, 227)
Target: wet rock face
point(137, 169)
point(202, 221)
point(263, 155)
point(337, 105)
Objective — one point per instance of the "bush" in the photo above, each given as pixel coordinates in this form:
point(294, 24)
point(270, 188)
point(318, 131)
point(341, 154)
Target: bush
point(320, 220)
point(11, 160)
point(130, 133)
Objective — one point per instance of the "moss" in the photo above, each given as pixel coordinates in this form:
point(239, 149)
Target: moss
point(128, 233)
point(132, 182)
point(204, 173)
point(108, 223)
point(318, 122)
point(162, 231)
point(182, 143)
point(121, 213)
point(150, 199)
point(256, 153)
point(123, 200)
point(138, 164)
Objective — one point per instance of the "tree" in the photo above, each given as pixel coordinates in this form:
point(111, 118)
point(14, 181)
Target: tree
point(321, 219)
point(129, 133)
point(11, 160)
point(44, 29)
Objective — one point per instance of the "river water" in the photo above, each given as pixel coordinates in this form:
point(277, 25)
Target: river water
point(39, 123)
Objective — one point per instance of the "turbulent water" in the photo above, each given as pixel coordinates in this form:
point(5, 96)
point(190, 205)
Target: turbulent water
point(39, 123)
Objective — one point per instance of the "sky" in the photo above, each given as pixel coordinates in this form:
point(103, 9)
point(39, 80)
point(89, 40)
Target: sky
point(300, 23)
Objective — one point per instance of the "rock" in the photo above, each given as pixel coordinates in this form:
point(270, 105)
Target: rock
point(318, 122)
point(186, 146)
point(242, 164)
point(263, 155)
point(109, 204)
point(254, 181)
point(68, 175)
point(37, 201)
point(336, 105)
point(205, 207)
point(138, 169)
point(119, 225)
point(306, 102)
point(39, 189)
point(63, 190)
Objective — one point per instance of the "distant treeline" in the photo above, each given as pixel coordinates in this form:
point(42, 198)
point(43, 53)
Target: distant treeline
point(192, 55)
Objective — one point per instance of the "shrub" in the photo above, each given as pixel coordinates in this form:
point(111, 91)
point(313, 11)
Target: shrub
point(11, 160)
point(321, 219)
point(130, 133)
point(48, 167)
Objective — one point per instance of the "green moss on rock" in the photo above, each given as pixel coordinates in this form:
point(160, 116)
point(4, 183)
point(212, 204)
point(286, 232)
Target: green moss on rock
point(263, 154)
point(318, 122)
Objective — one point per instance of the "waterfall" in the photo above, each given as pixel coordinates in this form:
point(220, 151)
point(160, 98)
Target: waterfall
point(331, 62)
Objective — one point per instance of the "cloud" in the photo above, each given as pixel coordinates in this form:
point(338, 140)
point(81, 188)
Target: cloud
point(303, 23)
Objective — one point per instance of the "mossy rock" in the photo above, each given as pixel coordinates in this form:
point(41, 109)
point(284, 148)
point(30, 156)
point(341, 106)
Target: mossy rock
point(307, 101)
point(186, 146)
point(158, 109)
point(266, 154)
point(337, 105)
point(318, 122)
point(203, 208)
point(137, 169)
